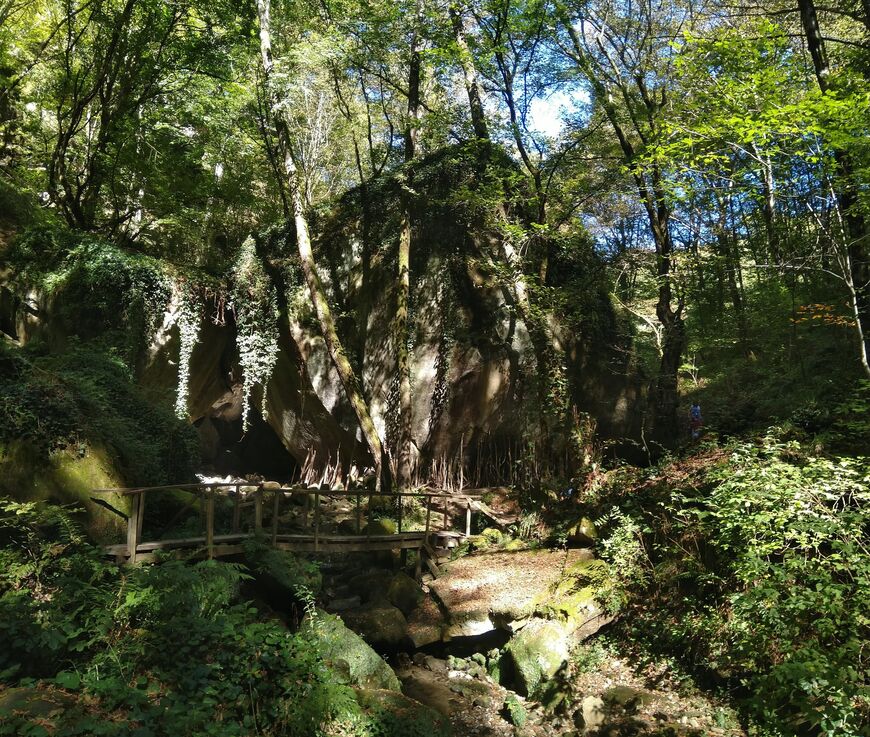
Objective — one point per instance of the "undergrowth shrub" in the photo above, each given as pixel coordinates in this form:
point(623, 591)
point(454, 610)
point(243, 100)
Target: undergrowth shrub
point(166, 649)
point(761, 579)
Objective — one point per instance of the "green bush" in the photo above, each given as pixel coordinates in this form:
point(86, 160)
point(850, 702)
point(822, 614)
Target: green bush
point(762, 578)
point(166, 649)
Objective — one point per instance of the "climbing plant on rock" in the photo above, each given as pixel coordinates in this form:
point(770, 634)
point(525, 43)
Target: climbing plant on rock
point(189, 313)
point(254, 303)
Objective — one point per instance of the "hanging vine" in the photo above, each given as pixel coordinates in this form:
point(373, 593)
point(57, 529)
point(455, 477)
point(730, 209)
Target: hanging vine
point(255, 306)
point(189, 313)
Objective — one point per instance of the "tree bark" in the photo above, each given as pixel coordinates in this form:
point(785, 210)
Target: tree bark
point(403, 276)
point(855, 224)
point(307, 260)
point(469, 72)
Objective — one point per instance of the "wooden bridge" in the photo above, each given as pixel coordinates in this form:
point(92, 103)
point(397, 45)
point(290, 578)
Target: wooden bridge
point(249, 501)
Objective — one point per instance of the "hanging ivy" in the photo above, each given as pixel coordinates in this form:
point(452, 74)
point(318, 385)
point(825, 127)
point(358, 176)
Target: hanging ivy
point(255, 306)
point(189, 314)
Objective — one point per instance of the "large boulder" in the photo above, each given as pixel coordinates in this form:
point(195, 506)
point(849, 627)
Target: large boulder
point(583, 532)
point(348, 655)
point(372, 584)
point(537, 652)
point(426, 623)
point(404, 593)
point(575, 598)
point(508, 587)
point(380, 624)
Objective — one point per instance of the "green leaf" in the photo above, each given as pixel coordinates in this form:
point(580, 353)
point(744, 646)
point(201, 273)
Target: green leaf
point(68, 679)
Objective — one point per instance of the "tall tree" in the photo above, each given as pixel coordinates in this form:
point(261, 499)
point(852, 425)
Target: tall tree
point(403, 277)
point(854, 219)
point(306, 254)
point(469, 72)
point(624, 57)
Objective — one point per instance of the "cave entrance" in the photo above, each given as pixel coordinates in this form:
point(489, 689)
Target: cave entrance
point(227, 450)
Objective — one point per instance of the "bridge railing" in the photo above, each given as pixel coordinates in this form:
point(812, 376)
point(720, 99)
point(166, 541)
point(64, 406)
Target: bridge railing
point(247, 494)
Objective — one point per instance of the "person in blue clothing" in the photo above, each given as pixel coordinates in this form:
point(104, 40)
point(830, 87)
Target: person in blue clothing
point(695, 421)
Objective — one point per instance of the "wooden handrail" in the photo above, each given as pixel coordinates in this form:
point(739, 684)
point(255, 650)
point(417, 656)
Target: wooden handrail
point(193, 488)
point(207, 493)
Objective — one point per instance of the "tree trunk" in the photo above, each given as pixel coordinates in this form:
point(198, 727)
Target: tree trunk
point(651, 191)
point(855, 225)
point(403, 276)
point(469, 72)
point(306, 257)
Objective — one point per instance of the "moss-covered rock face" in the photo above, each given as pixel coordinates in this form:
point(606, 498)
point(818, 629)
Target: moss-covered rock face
point(80, 403)
point(537, 652)
point(66, 477)
point(472, 355)
point(348, 654)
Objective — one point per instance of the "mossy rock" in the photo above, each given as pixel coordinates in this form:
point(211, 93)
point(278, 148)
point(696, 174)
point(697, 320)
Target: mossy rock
point(383, 526)
point(575, 596)
point(391, 713)
point(537, 652)
point(588, 570)
point(404, 593)
point(425, 623)
point(371, 585)
point(353, 661)
point(489, 537)
point(583, 532)
point(576, 605)
point(626, 698)
point(514, 712)
point(380, 624)
point(69, 477)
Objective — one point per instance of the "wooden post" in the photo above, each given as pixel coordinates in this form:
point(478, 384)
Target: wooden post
point(133, 529)
point(202, 496)
point(399, 515)
point(141, 517)
point(369, 518)
point(428, 514)
point(258, 509)
point(209, 523)
point(305, 507)
point(358, 514)
point(444, 521)
point(237, 511)
point(275, 507)
point(316, 520)
point(468, 519)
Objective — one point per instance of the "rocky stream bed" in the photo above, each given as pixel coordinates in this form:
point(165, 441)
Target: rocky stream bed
point(499, 644)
